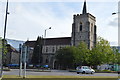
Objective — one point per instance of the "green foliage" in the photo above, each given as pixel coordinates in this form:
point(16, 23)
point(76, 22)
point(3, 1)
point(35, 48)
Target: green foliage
point(102, 53)
point(0, 49)
point(4, 51)
point(82, 54)
point(65, 57)
point(116, 56)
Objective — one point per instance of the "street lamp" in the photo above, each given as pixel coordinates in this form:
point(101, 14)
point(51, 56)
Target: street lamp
point(118, 39)
point(46, 30)
point(114, 13)
point(3, 49)
point(44, 39)
point(118, 26)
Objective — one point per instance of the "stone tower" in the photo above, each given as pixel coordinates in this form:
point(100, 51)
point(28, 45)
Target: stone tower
point(84, 28)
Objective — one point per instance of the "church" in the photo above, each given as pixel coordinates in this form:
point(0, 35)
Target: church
point(83, 29)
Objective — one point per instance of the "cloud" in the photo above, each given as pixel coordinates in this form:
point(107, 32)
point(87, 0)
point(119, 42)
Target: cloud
point(113, 22)
point(30, 20)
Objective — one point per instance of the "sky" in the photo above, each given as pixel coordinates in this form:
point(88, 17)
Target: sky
point(30, 18)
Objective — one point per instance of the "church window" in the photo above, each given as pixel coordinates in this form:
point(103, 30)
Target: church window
point(53, 49)
point(46, 49)
point(80, 26)
point(91, 27)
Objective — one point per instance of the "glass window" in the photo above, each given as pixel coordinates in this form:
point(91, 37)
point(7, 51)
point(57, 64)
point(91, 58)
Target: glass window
point(46, 49)
point(80, 26)
point(91, 27)
point(53, 49)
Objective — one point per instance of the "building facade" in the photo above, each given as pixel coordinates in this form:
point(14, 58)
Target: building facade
point(12, 56)
point(83, 29)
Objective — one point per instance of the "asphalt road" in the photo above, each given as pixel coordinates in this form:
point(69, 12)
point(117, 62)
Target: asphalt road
point(57, 72)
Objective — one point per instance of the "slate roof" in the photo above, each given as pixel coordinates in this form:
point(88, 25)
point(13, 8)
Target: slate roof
point(52, 41)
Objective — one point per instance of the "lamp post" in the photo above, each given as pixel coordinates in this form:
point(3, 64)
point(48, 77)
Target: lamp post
point(45, 31)
point(118, 26)
point(44, 40)
point(3, 49)
point(118, 38)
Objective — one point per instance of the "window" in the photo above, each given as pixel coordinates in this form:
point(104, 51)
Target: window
point(53, 49)
point(91, 27)
point(80, 36)
point(80, 26)
point(46, 49)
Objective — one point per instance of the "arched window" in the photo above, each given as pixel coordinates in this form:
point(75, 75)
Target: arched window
point(80, 26)
point(53, 49)
point(92, 27)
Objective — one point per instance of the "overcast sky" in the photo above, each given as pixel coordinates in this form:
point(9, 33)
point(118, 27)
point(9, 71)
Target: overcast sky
point(29, 19)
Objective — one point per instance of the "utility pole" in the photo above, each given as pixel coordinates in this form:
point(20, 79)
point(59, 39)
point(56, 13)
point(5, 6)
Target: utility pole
point(3, 49)
point(45, 42)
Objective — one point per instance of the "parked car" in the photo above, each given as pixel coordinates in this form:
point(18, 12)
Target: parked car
point(84, 69)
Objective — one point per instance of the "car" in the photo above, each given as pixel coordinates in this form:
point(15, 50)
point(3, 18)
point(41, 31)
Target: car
point(30, 65)
point(84, 69)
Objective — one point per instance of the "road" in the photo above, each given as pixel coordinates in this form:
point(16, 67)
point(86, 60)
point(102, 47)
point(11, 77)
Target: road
point(57, 72)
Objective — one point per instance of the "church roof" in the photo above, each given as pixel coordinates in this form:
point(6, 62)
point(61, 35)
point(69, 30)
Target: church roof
point(58, 41)
point(52, 41)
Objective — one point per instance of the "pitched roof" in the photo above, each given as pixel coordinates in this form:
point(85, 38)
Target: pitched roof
point(52, 41)
point(58, 41)
point(11, 49)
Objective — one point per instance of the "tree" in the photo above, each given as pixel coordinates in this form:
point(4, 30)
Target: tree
point(37, 52)
point(102, 53)
point(116, 56)
point(65, 57)
point(70, 57)
point(82, 54)
point(4, 51)
point(0, 50)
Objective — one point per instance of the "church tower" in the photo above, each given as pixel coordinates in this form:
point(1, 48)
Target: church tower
point(84, 28)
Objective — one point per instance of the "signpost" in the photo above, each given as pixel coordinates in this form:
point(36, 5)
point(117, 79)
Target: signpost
point(20, 50)
point(23, 52)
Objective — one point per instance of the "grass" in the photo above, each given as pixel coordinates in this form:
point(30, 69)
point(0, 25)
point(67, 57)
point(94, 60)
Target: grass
point(31, 77)
point(63, 79)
